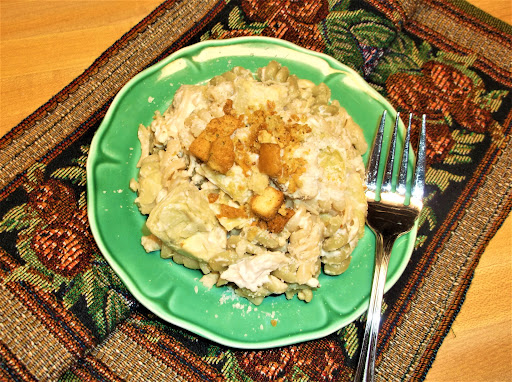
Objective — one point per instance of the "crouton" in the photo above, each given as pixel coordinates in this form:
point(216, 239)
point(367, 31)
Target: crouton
point(270, 159)
point(222, 154)
point(200, 148)
point(277, 223)
point(231, 212)
point(223, 126)
point(203, 146)
point(266, 205)
point(228, 107)
point(212, 197)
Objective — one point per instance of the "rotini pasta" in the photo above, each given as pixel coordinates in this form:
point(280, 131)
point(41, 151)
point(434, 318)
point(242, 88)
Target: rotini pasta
point(256, 181)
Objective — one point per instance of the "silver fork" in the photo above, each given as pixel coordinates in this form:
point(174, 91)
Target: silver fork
point(389, 217)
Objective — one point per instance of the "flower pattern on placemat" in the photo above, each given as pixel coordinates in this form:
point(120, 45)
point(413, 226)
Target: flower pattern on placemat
point(62, 242)
point(295, 21)
point(54, 240)
point(450, 98)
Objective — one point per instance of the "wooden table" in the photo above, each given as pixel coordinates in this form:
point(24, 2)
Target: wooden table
point(46, 44)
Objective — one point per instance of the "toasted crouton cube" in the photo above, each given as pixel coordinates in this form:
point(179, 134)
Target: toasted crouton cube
point(212, 197)
point(200, 148)
point(222, 154)
point(203, 146)
point(231, 212)
point(266, 205)
point(270, 159)
point(224, 126)
point(277, 223)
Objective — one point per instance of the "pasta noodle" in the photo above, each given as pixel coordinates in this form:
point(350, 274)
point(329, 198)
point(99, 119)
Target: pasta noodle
point(255, 180)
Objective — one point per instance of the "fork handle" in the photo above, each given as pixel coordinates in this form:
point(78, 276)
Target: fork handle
point(366, 365)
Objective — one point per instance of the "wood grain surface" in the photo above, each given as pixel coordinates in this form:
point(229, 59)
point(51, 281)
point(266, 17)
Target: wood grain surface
point(44, 45)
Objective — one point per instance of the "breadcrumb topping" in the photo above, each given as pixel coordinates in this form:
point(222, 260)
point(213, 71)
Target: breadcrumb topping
point(273, 140)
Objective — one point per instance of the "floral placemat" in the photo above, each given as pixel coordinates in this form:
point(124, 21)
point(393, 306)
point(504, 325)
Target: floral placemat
point(65, 315)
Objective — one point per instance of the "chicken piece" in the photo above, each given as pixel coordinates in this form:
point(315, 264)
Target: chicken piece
point(222, 154)
point(270, 159)
point(266, 205)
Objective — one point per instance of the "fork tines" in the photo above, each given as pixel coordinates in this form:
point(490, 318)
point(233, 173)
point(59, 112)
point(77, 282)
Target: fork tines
point(372, 172)
point(419, 175)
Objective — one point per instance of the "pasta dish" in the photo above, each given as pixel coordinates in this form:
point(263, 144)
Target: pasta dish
point(255, 180)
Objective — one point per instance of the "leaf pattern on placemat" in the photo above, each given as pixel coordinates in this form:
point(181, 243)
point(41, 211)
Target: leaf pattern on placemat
point(49, 261)
point(357, 38)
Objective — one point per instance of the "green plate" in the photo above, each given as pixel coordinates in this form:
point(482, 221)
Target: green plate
point(175, 293)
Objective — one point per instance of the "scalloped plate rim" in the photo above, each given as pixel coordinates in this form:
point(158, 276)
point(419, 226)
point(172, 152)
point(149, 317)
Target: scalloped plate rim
point(127, 278)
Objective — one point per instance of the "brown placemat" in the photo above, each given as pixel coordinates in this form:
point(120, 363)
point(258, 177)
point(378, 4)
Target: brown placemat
point(65, 314)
